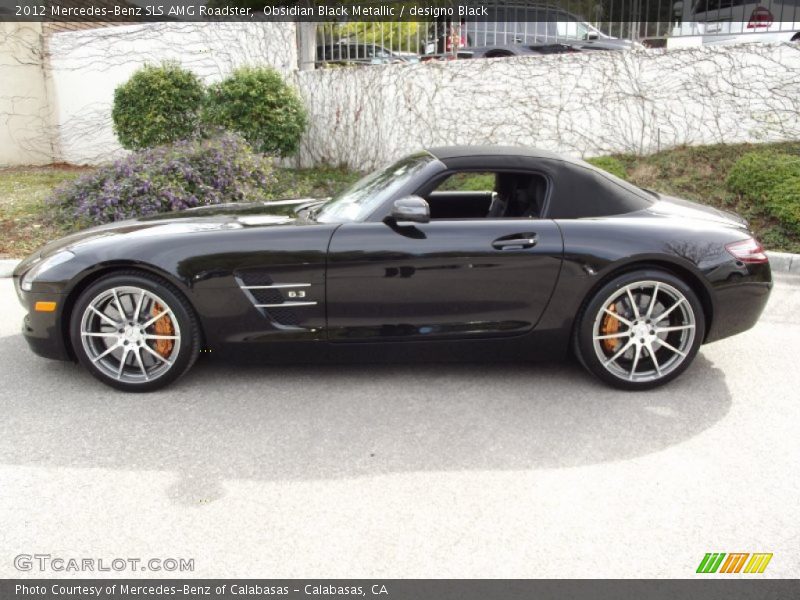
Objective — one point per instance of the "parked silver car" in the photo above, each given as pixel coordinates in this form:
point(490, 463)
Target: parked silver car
point(511, 29)
point(738, 21)
point(355, 52)
point(559, 27)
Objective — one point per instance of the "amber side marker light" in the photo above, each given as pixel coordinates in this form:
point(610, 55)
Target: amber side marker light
point(44, 307)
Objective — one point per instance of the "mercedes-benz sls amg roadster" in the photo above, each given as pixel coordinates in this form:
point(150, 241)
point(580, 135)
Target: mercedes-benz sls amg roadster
point(467, 253)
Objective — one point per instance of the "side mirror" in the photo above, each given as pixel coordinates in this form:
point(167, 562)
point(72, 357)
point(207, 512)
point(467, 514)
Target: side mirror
point(411, 208)
point(592, 35)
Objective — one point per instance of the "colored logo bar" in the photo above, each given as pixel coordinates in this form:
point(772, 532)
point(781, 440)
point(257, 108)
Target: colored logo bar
point(714, 562)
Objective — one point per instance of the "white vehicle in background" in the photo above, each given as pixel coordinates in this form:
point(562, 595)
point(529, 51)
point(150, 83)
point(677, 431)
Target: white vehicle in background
point(738, 21)
point(514, 29)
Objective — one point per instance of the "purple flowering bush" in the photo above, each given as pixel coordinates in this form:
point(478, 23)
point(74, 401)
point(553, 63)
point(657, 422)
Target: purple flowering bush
point(173, 177)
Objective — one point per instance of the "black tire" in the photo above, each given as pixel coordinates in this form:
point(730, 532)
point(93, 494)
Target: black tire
point(188, 346)
point(589, 351)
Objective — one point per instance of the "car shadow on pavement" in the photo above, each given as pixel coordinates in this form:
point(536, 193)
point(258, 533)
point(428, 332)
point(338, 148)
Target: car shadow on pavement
point(306, 422)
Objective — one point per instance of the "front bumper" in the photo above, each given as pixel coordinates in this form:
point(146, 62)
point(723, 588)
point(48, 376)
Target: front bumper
point(42, 330)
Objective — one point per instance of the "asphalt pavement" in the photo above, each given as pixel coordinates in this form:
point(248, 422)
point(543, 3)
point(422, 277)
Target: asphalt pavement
point(422, 470)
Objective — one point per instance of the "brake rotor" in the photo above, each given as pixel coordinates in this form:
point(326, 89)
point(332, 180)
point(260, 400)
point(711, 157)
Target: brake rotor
point(610, 325)
point(162, 326)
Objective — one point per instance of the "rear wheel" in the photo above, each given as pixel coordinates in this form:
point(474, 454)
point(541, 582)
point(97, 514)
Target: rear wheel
point(640, 330)
point(134, 332)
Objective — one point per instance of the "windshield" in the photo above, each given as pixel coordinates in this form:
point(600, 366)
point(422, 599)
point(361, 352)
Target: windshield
point(359, 201)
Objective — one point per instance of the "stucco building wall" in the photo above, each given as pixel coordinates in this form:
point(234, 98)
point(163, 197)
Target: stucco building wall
point(26, 117)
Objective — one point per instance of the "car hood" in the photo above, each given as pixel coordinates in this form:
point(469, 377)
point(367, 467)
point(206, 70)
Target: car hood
point(671, 206)
point(235, 215)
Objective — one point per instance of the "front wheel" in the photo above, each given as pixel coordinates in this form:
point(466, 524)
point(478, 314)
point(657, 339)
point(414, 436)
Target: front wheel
point(640, 330)
point(134, 332)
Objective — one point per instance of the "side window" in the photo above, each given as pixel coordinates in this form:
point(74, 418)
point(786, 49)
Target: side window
point(567, 26)
point(488, 195)
point(541, 29)
point(468, 181)
point(541, 22)
point(463, 195)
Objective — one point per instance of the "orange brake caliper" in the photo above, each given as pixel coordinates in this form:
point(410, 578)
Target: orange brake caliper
point(610, 325)
point(162, 326)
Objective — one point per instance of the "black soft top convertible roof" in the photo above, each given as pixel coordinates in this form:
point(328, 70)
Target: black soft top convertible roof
point(578, 188)
point(444, 153)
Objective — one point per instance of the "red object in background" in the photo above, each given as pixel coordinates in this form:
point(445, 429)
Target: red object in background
point(455, 39)
point(760, 17)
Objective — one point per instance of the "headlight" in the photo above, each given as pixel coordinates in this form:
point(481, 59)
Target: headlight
point(43, 265)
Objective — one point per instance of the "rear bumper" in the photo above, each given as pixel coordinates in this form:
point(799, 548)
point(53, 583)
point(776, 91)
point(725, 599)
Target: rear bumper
point(738, 308)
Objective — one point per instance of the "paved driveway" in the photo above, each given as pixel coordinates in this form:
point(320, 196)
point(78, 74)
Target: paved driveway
point(409, 470)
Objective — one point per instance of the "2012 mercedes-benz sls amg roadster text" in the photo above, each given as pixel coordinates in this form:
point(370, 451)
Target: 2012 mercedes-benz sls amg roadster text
point(465, 252)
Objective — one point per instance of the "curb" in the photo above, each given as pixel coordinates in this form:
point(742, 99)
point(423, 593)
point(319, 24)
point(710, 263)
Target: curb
point(781, 262)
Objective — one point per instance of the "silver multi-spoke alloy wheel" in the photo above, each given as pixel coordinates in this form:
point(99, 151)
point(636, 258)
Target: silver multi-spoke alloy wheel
point(641, 329)
point(130, 334)
point(134, 331)
point(644, 331)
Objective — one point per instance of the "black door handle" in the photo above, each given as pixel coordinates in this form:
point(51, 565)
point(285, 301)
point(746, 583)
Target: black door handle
point(515, 243)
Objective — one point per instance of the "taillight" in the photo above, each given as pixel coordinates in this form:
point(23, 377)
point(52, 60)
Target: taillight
point(760, 17)
point(748, 251)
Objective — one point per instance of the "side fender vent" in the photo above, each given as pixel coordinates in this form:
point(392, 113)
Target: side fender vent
point(254, 277)
point(279, 302)
point(285, 316)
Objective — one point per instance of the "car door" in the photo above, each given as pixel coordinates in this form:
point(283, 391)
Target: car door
point(459, 278)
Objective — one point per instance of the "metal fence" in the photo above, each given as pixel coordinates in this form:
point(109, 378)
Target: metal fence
point(569, 25)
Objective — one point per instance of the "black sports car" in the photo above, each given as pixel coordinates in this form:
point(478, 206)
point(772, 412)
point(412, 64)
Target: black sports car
point(480, 253)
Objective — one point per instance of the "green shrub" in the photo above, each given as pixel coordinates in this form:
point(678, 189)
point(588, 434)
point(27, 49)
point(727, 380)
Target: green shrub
point(167, 178)
point(755, 174)
point(771, 181)
point(157, 105)
point(257, 103)
point(783, 202)
point(609, 164)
